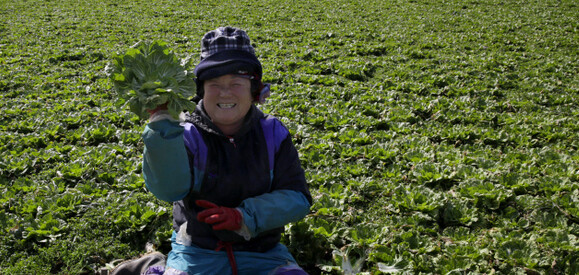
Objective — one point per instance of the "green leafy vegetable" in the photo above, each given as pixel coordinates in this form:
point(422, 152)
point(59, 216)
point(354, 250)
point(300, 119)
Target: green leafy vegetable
point(437, 137)
point(149, 75)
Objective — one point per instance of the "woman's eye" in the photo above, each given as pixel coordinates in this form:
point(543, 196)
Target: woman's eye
point(237, 85)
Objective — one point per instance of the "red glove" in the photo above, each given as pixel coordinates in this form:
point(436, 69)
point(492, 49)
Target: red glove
point(159, 108)
point(222, 218)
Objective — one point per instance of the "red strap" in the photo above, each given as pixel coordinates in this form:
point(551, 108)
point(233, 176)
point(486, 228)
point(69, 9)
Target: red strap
point(229, 249)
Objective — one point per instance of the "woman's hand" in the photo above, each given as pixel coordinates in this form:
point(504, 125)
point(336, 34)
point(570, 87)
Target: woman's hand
point(159, 113)
point(221, 218)
point(159, 108)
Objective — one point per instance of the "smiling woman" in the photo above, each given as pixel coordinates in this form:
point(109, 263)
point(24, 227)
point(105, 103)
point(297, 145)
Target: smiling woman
point(232, 171)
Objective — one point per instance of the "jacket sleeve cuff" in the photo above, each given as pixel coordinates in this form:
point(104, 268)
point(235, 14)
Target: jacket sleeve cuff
point(243, 231)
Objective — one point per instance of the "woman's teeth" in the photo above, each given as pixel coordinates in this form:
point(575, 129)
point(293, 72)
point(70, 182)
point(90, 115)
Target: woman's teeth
point(226, 106)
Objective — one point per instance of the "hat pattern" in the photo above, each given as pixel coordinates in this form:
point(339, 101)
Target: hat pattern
point(225, 38)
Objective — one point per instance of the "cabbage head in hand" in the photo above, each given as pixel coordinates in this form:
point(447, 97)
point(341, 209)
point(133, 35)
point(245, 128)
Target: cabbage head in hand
point(149, 75)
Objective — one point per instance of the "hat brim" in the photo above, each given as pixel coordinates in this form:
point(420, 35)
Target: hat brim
point(226, 62)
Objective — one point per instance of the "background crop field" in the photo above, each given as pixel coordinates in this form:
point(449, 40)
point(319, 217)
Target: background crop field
point(438, 137)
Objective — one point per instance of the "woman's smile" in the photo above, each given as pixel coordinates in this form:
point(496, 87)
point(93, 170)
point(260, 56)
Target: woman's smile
point(226, 105)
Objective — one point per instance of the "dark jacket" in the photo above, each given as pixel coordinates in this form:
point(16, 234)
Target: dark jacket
point(236, 173)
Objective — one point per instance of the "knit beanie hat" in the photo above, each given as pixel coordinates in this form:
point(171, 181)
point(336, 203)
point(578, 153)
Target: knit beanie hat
point(228, 50)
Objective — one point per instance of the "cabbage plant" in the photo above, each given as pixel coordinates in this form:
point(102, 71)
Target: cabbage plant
point(149, 75)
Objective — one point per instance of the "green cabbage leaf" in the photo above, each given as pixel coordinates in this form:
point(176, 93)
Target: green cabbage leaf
point(149, 75)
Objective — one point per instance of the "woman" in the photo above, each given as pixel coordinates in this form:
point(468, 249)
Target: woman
point(232, 171)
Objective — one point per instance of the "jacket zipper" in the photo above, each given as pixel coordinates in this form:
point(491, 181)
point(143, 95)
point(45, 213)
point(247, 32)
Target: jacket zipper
point(232, 141)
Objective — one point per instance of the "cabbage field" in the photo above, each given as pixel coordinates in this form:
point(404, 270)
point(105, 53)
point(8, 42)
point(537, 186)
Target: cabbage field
point(438, 136)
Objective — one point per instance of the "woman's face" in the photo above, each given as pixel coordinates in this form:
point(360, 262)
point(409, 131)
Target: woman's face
point(227, 100)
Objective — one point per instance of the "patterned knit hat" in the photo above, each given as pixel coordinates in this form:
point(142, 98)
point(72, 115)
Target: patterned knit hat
point(224, 51)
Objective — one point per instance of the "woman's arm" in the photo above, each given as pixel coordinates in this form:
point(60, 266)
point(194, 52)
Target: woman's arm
point(289, 200)
point(165, 162)
point(273, 210)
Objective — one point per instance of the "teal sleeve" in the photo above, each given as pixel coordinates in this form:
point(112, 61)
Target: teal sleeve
point(165, 162)
point(273, 210)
